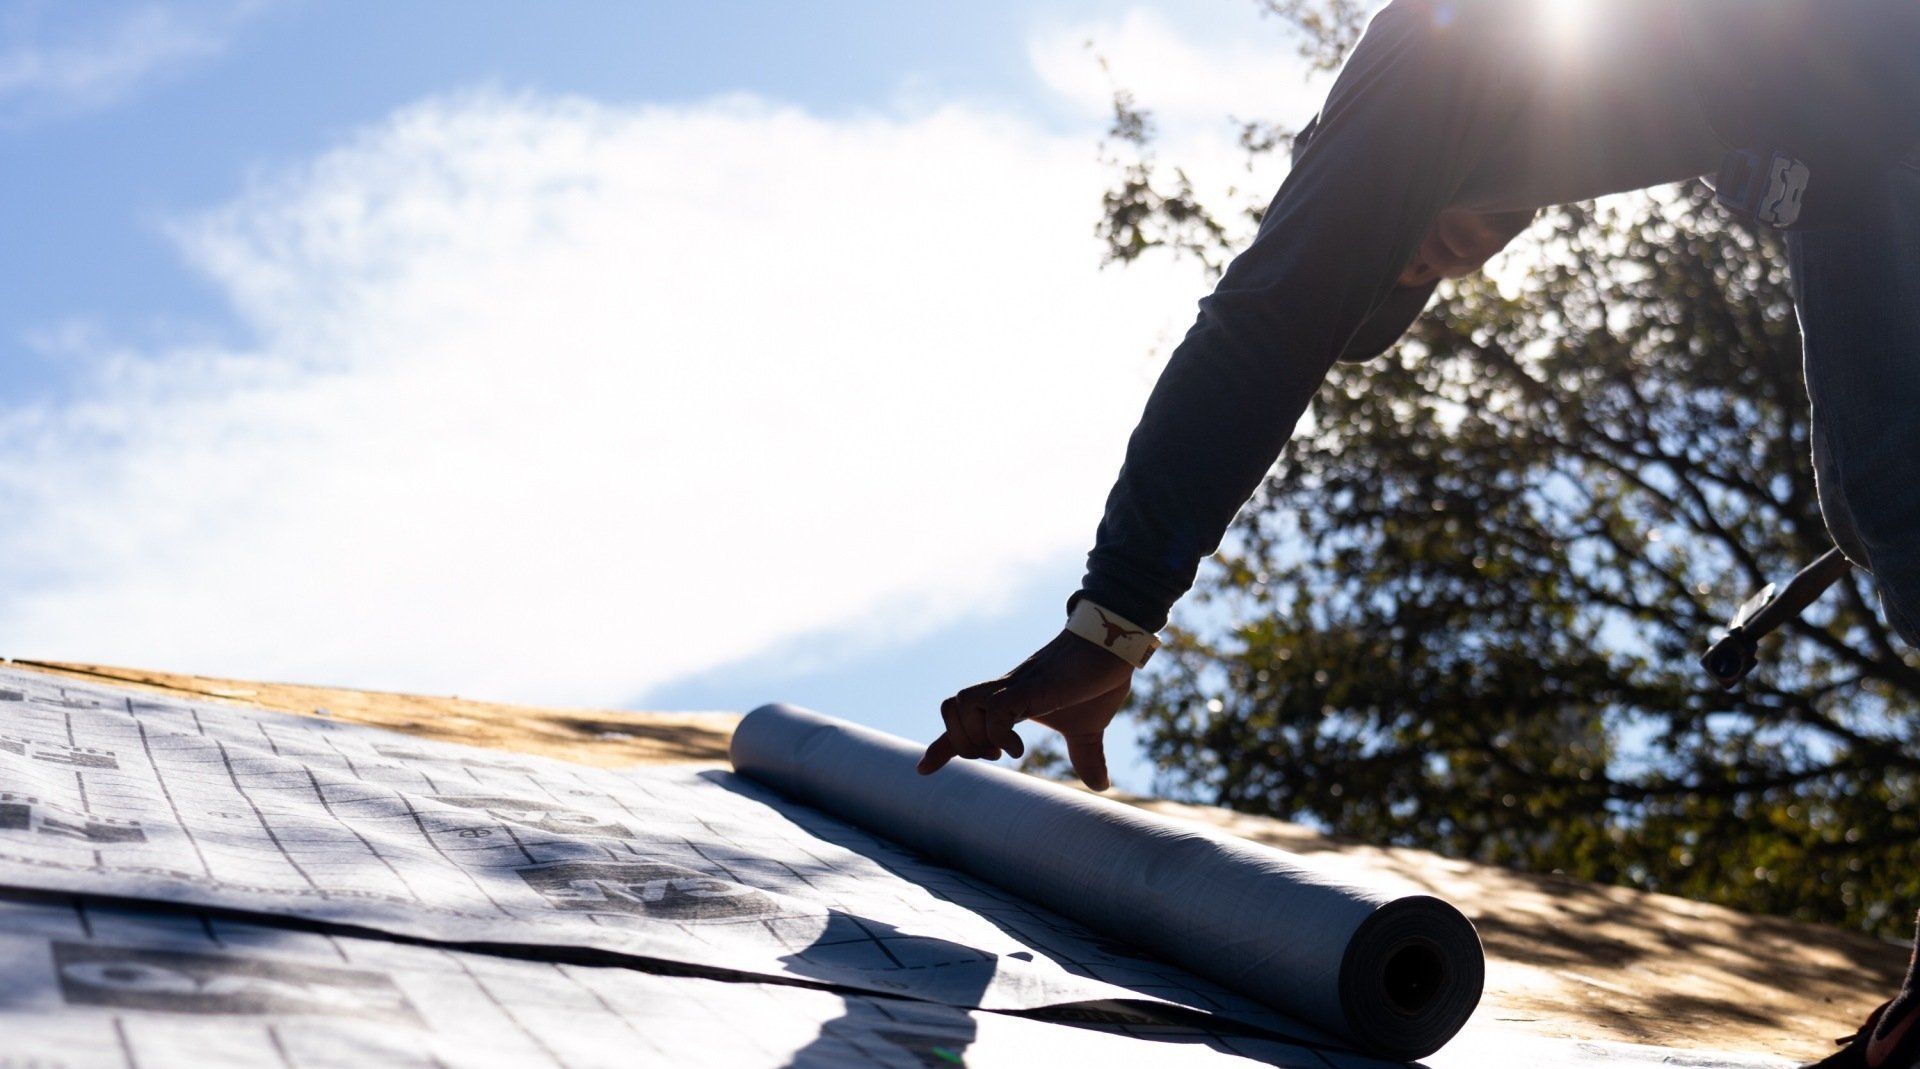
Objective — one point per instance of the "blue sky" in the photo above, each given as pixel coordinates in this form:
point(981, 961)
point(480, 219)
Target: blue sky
point(271, 84)
point(648, 354)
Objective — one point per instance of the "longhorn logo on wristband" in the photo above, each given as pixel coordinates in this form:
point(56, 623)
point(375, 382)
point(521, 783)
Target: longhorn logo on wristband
point(1115, 632)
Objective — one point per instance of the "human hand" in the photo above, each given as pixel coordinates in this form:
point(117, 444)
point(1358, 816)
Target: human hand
point(1069, 685)
point(1461, 242)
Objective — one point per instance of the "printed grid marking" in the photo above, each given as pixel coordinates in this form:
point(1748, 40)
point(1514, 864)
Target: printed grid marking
point(334, 822)
point(185, 988)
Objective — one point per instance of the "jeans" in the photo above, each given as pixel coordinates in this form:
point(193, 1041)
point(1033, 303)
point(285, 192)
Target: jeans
point(1491, 105)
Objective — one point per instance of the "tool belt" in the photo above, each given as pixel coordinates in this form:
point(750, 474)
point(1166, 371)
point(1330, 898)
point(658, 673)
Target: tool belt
point(1816, 100)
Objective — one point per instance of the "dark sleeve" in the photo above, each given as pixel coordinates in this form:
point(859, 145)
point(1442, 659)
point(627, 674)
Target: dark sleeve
point(1411, 114)
point(1216, 421)
point(1227, 403)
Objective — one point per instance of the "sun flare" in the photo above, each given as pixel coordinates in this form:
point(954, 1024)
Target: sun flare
point(1565, 21)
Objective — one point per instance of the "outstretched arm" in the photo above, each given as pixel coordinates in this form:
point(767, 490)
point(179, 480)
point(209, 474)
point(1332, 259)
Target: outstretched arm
point(1361, 213)
point(1072, 685)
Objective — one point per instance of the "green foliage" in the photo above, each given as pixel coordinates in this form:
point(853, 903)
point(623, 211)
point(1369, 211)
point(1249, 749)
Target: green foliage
point(1146, 210)
point(1327, 28)
point(1464, 612)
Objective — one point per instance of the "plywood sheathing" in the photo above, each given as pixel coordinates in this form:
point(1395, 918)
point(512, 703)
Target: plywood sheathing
point(589, 736)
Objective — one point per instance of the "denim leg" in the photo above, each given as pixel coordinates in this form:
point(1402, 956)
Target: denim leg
point(1858, 296)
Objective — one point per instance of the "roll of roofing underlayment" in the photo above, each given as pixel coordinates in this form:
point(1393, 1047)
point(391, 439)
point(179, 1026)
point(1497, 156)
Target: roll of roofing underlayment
point(1396, 975)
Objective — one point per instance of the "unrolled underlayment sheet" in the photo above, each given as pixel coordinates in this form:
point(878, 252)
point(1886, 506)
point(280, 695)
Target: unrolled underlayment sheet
point(108, 791)
point(87, 985)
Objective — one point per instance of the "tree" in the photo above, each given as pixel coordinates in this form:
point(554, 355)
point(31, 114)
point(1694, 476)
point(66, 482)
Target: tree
point(1465, 610)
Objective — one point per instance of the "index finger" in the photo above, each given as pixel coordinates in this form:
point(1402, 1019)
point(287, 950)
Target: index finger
point(937, 756)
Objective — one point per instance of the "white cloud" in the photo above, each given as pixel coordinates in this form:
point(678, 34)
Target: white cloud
point(1195, 91)
point(91, 61)
point(1188, 85)
point(557, 400)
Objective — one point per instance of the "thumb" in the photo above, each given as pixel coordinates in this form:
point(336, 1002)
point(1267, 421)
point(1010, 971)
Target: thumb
point(1088, 753)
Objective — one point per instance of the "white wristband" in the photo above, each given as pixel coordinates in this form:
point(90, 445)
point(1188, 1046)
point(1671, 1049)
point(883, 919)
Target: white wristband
point(1115, 634)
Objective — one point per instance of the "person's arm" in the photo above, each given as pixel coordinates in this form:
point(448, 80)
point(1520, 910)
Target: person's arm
point(1366, 205)
point(1219, 417)
point(1214, 425)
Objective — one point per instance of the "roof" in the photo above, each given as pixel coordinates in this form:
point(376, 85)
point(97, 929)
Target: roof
point(1565, 958)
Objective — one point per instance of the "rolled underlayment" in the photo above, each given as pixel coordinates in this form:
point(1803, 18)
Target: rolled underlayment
point(1395, 975)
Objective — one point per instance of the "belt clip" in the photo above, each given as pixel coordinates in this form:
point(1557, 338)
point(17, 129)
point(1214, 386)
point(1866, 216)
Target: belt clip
point(1763, 189)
